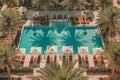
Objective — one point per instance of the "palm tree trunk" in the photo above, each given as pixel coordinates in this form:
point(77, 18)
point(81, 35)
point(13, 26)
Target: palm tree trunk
point(109, 32)
point(113, 72)
point(8, 72)
point(74, 13)
point(11, 33)
point(45, 12)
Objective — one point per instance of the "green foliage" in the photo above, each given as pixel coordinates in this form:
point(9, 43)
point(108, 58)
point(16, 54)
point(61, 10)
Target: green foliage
point(73, 3)
point(109, 22)
point(54, 71)
point(7, 55)
point(103, 3)
point(112, 55)
point(10, 20)
point(41, 3)
point(10, 3)
point(8, 58)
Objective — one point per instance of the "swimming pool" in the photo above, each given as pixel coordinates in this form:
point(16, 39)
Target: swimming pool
point(75, 36)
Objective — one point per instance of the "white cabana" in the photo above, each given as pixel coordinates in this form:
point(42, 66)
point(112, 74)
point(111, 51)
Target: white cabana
point(83, 50)
point(67, 49)
point(51, 49)
point(35, 50)
point(97, 50)
point(22, 50)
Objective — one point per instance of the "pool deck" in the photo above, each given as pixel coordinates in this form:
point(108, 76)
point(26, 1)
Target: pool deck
point(91, 63)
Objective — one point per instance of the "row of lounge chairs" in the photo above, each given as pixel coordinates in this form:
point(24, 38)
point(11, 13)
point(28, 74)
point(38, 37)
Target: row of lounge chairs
point(83, 20)
point(42, 60)
point(98, 61)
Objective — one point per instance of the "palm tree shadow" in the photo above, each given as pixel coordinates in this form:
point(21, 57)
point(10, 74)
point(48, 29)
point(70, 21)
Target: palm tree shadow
point(97, 40)
point(43, 40)
point(74, 39)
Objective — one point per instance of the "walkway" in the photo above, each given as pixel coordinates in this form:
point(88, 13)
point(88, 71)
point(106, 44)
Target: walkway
point(27, 61)
point(91, 62)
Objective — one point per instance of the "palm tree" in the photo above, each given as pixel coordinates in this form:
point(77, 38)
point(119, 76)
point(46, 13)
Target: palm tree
point(74, 4)
point(112, 55)
point(10, 20)
point(7, 58)
point(44, 38)
point(109, 22)
point(56, 72)
point(45, 4)
point(103, 3)
point(10, 3)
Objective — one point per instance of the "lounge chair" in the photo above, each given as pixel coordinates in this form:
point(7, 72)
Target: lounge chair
point(31, 59)
point(38, 59)
point(48, 59)
point(64, 59)
point(70, 58)
point(55, 58)
point(22, 61)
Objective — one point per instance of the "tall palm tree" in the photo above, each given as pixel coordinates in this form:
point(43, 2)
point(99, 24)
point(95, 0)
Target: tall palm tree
point(10, 20)
point(65, 72)
point(103, 3)
point(45, 4)
point(112, 55)
point(7, 58)
point(109, 22)
point(74, 4)
point(10, 3)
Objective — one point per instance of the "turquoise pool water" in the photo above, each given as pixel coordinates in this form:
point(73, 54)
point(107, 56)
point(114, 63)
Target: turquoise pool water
point(60, 34)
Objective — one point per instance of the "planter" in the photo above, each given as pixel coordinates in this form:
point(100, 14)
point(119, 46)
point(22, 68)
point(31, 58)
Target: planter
point(98, 71)
point(24, 70)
